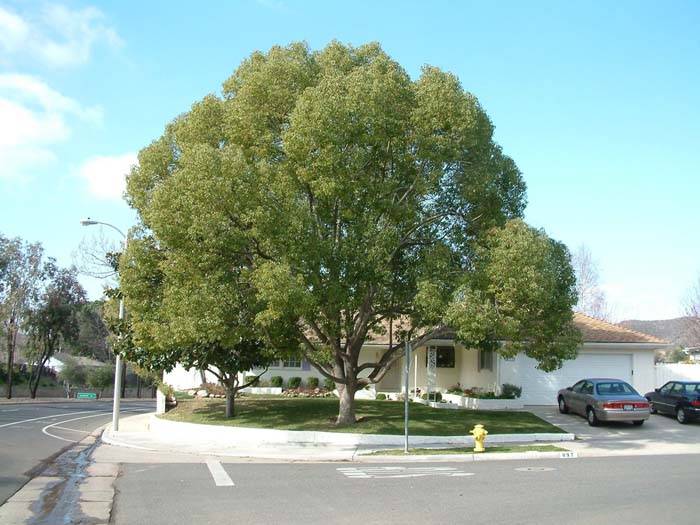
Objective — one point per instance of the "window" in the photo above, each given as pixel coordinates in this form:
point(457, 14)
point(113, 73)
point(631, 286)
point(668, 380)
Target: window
point(617, 388)
point(444, 357)
point(666, 388)
point(292, 362)
point(587, 388)
point(578, 386)
point(485, 360)
point(678, 388)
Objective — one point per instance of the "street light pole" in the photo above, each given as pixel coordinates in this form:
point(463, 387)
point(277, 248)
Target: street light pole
point(116, 396)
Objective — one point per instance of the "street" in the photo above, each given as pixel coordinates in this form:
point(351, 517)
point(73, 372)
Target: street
point(31, 433)
point(595, 490)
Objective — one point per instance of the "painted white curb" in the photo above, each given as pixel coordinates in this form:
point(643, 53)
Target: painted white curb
point(227, 436)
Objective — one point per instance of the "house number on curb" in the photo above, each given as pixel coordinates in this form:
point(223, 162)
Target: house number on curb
point(535, 469)
point(401, 472)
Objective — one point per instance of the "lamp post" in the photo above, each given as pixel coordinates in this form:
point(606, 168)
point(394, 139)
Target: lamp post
point(116, 397)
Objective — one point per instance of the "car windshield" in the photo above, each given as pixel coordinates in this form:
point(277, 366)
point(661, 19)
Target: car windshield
point(615, 388)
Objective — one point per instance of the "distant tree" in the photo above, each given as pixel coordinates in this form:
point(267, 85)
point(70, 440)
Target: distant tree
point(73, 372)
point(22, 273)
point(676, 355)
point(692, 311)
point(100, 377)
point(92, 340)
point(53, 321)
point(592, 299)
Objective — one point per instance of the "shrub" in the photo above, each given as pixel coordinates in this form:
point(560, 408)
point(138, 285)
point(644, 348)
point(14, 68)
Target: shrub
point(276, 381)
point(432, 396)
point(255, 379)
point(381, 397)
point(294, 382)
point(73, 372)
point(101, 377)
point(214, 389)
point(328, 384)
point(509, 391)
point(312, 382)
point(455, 389)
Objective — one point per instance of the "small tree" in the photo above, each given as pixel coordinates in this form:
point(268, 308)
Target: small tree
point(73, 372)
point(100, 377)
point(54, 321)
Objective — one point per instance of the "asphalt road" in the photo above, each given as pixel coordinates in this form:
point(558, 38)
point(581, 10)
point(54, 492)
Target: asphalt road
point(30, 433)
point(634, 490)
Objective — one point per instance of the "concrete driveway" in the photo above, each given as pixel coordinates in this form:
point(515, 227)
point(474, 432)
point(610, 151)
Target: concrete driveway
point(659, 435)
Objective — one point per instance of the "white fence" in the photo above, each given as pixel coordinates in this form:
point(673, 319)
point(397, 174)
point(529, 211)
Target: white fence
point(676, 372)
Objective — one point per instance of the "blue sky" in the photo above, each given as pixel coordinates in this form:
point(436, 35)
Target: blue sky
point(598, 103)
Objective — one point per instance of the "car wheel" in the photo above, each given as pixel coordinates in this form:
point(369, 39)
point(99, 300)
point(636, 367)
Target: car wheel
point(562, 406)
point(681, 416)
point(652, 407)
point(638, 423)
point(592, 418)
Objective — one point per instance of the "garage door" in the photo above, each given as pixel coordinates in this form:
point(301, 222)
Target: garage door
point(540, 388)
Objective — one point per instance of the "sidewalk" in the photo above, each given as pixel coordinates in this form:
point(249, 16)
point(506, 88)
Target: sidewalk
point(136, 433)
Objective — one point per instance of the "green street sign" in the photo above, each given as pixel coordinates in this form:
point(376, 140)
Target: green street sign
point(86, 395)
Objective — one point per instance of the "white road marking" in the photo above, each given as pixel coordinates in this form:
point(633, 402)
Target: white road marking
point(52, 425)
point(401, 472)
point(10, 410)
point(44, 417)
point(535, 469)
point(221, 478)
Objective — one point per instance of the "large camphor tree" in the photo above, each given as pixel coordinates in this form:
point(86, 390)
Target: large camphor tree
point(326, 195)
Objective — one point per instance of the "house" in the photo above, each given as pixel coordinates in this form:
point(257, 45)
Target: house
point(608, 350)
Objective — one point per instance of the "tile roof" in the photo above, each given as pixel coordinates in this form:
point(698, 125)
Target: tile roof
point(596, 331)
point(592, 330)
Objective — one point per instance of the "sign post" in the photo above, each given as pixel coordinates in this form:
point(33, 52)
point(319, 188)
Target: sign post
point(407, 370)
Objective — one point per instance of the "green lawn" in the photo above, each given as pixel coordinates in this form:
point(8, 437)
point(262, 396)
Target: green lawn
point(467, 450)
point(377, 417)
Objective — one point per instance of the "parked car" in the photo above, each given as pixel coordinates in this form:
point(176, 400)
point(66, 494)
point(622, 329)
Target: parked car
point(676, 398)
point(604, 399)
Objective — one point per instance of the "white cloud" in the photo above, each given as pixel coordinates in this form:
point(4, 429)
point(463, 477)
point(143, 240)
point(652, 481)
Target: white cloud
point(33, 117)
point(106, 175)
point(57, 36)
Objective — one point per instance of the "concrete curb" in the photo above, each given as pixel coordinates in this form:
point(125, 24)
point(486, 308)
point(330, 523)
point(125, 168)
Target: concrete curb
point(210, 434)
point(467, 458)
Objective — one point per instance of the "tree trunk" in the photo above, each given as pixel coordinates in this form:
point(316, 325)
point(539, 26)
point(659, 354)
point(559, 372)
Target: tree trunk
point(230, 397)
point(346, 412)
point(10, 360)
point(35, 385)
point(123, 392)
point(138, 387)
point(203, 376)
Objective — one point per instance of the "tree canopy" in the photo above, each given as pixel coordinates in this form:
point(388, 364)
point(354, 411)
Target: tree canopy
point(327, 194)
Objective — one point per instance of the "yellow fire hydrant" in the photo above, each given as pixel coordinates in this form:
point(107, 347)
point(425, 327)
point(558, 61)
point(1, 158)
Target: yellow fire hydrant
point(479, 433)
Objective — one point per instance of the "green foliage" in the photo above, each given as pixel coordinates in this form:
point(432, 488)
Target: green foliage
point(509, 391)
point(324, 193)
point(254, 380)
point(101, 377)
point(676, 355)
point(276, 381)
point(519, 297)
point(432, 396)
point(381, 397)
point(328, 384)
point(73, 372)
point(312, 382)
point(294, 382)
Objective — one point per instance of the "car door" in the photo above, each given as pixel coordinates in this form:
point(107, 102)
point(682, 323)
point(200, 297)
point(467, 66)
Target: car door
point(573, 397)
point(675, 397)
point(662, 400)
point(586, 397)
